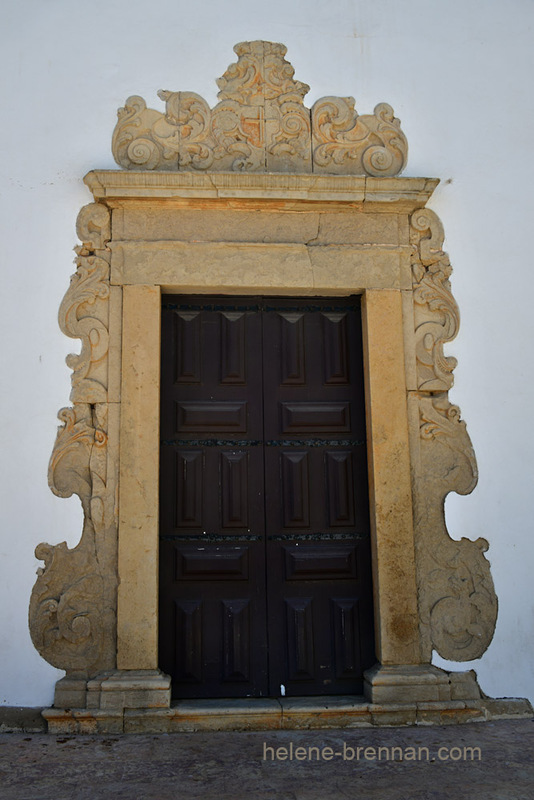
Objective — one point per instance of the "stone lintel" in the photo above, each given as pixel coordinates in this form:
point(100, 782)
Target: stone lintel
point(398, 195)
point(281, 268)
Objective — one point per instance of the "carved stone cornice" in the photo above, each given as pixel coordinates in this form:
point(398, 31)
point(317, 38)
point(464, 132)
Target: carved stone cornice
point(398, 195)
point(259, 125)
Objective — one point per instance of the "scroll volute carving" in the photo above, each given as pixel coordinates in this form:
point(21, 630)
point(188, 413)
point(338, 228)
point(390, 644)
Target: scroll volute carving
point(457, 598)
point(348, 144)
point(437, 317)
point(72, 611)
point(260, 125)
point(458, 605)
point(72, 607)
point(84, 311)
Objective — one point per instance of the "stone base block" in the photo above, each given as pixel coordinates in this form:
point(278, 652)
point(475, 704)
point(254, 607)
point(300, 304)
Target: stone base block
point(187, 716)
point(452, 712)
point(301, 713)
point(505, 708)
point(70, 693)
point(464, 685)
point(421, 683)
point(129, 689)
point(83, 720)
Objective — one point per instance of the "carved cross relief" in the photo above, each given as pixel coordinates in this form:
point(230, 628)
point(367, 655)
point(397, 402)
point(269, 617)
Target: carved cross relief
point(337, 164)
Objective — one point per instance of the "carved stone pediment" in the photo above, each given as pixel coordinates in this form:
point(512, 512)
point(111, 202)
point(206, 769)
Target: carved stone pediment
point(260, 125)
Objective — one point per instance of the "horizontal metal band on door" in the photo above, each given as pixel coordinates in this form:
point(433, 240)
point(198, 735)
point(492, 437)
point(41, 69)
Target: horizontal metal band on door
point(210, 538)
point(259, 307)
point(289, 537)
point(259, 442)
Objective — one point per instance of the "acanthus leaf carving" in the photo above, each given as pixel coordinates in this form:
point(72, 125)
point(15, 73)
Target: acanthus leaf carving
point(135, 143)
point(84, 310)
point(259, 125)
point(437, 318)
point(458, 605)
point(68, 470)
point(457, 601)
point(83, 314)
point(261, 73)
point(93, 227)
point(71, 614)
point(72, 607)
point(346, 143)
point(188, 139)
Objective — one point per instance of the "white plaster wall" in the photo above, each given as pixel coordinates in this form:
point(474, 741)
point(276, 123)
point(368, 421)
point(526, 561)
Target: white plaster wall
point(457, 72)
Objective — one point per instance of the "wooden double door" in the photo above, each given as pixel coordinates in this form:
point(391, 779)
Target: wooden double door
point(265, 574)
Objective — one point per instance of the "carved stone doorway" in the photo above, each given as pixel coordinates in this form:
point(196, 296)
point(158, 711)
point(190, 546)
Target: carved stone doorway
point(259, 196)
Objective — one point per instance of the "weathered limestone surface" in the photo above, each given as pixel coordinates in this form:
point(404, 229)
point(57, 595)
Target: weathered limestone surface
point(129, 689)
point(73, 603)
point(274, 191)
point(457, 601)
point(137, 624)
point(396, 618)
point(259, 125)
point(305, 713)
point(278, 268)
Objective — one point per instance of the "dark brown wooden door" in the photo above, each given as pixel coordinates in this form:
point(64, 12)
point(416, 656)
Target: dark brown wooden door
point(265, 574)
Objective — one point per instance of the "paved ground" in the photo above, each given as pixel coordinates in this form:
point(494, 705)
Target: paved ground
point(231, 766)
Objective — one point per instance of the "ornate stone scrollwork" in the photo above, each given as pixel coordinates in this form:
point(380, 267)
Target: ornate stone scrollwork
point(84, 311)
point(72, 607)
point(437, 317)
point(346, 143)
point(457, 599)
point(260, 125)
point(458, 606)
point(83, 314)
point(93, 227)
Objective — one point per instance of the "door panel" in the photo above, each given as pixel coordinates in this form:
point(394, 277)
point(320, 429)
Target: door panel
point(265, 576)
point(317, 528)
point(212, 559)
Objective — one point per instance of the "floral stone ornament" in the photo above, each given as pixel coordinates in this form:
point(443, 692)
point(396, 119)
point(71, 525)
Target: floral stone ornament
point(260, 125)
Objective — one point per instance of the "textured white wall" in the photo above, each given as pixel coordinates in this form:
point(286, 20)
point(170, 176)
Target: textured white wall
point(458, 74)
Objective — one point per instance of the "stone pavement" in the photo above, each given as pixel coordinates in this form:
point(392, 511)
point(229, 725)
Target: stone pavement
point(479, 761)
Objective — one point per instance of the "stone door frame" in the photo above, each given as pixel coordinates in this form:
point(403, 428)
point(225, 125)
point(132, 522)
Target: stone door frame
point(259, 194)
point(94, 609)
point(395, 591)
